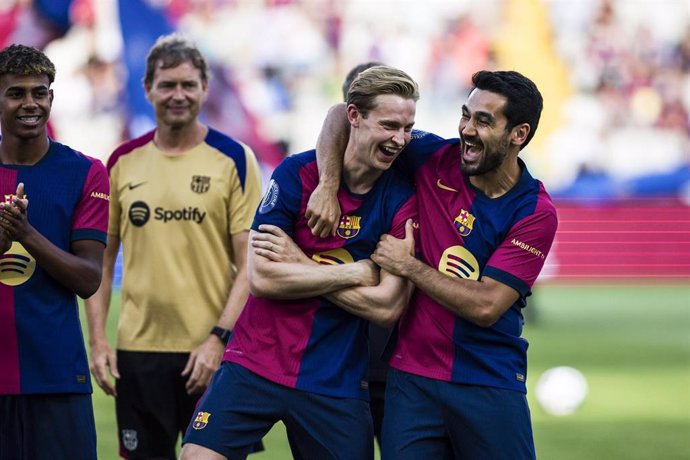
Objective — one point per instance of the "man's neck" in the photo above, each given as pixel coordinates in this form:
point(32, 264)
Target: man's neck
point(27, 152)
point(175, 141)
point(497, 183)
point(358, 177)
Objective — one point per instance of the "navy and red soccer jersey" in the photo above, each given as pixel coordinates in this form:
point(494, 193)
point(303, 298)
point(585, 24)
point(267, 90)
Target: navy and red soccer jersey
point(41, 344)
point(467, 235)
point(311, 344)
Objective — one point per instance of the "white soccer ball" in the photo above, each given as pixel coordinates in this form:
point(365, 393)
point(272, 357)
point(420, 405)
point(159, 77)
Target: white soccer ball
point(561, 390)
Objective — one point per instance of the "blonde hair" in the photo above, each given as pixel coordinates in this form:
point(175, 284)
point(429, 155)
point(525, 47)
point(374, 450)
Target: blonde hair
point(379, 80)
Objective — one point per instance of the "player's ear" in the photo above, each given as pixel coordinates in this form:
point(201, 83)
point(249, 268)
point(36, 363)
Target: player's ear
point(353, 115)
point(147, 91)
point(519, 134)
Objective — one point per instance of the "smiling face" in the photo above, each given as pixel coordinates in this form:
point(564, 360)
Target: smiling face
point(384, 132)
point(25, 103)
point(176, 94)
point(485, 139)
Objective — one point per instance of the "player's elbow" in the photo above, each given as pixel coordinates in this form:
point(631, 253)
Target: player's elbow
point(387, 319)
point(486, 316)
point(88, 286)
point(258, 286)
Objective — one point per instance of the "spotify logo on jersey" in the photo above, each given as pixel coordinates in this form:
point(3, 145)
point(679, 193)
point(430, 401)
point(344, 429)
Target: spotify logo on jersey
point(16, 265)
point(139, 213)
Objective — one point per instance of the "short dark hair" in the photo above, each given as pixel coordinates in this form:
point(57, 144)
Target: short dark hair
point(524, 102)
point(379, 80)
point(356, 70)
point(172, 50)
point(26, 60)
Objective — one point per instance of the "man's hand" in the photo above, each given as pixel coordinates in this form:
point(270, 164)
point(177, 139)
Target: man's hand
point(102, 358)
point(323, 211)
point(274, 244)
point(5, 242)
point(13, 221)
point(395, 255)
point(202, 363)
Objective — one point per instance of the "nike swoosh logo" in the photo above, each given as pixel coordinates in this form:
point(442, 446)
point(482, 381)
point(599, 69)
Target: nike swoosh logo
point(133, 186)
point(444, 187)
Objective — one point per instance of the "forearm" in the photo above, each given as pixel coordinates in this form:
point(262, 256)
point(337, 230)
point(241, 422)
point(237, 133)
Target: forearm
point(301, 280)
point(330, 147)
point(78, 274)
point(383, 304)
point(236, 301)
point(476, 301)
point(96, 308)
point(98, 305)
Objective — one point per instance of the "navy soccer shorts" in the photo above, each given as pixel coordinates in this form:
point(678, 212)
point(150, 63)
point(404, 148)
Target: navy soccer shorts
point(240, 407)
point(428, 418)
point(47, 427)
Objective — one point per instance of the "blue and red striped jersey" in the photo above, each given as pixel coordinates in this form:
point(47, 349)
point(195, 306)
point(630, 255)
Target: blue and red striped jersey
point(467, 235)
point(41, 343)
point(311, 344)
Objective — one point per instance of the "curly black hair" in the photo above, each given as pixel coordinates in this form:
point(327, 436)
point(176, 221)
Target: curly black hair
point(26, 60)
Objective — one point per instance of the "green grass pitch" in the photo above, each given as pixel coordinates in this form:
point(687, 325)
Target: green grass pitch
point(632, 343)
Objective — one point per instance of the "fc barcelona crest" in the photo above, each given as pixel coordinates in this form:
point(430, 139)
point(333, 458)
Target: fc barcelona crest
point(129, 439)
point(349, 226)
point(201, 420)
point(463, 223)
point(200, 184)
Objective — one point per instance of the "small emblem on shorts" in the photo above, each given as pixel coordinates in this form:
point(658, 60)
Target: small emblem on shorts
point(520, 377)
point(129, 439)
point(81, 378)
point(201, 420)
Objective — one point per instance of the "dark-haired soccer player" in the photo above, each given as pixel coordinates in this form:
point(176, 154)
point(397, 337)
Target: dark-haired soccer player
point(50, 252)
point(299, 349)
point(457, 387)
point(183, 198)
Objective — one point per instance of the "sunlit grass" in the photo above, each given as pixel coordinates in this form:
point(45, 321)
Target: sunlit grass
point(631, 342)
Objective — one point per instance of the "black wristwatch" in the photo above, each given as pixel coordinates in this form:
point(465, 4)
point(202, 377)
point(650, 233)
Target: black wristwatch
point(223, 334)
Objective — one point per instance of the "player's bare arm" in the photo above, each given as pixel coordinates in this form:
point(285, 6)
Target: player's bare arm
point(78, 270)
point(382, 303)
point(303, 278)
point(205, 359)
point(103, 358)
point(385, 303)
point(323, 209)
point(482, 302)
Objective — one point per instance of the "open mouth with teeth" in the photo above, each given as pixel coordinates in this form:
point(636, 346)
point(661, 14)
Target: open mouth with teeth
point(471, 149)
point(388, 151)
point(30, 120)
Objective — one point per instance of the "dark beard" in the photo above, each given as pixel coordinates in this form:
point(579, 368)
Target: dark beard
point(493, 158)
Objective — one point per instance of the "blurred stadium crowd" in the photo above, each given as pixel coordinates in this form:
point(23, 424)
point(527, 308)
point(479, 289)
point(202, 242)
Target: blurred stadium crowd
point(615, 73)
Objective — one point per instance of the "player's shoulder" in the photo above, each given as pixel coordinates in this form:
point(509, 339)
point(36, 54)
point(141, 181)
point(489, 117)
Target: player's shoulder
point(128, 147)
point(421, 137)
point(296, 161)
point(225, 144)
point(65, 153)
point(532, 195)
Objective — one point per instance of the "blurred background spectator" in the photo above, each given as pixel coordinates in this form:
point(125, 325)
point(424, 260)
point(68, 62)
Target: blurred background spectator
point(615, 73)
